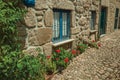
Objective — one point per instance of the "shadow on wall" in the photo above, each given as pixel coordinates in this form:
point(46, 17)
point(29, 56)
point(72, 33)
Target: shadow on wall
point(22, 34)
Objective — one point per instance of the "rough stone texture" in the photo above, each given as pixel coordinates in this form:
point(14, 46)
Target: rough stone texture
point(73, 19)
point(82, 21)
point(39, 18)
point(41, 4)
point(47, 49)
point(79, 9)
point(68, 5)
point(39, 13)
point(30, 19)
point(96, 64)
point(105, 3)
point(75, 30)
point(40, 24)
point(40, 36)
point(49, 18)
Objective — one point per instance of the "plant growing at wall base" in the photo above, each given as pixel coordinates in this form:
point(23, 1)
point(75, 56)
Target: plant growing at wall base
point(61, 58)
point(14, 65)
point(81, 47)
point(50, 66)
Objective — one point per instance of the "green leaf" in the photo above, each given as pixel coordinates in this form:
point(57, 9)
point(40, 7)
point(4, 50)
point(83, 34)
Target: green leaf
point(20, 66)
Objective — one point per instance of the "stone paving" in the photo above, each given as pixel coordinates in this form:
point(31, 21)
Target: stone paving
point(96, 64)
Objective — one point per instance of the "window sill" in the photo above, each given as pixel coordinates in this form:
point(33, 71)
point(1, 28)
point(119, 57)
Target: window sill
point(63, 42)
point(93, 31)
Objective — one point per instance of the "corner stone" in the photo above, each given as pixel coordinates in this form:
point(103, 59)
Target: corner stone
point(30, 18)
point(47, 48)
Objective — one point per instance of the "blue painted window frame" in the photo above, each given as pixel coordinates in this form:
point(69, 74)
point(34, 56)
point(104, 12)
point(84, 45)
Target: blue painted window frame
point(61, 37)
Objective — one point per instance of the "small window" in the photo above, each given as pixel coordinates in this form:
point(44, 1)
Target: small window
point(61, 25)
point(93, 20)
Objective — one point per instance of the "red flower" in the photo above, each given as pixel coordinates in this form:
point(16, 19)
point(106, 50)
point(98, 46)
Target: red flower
point(93, 40)
point(48, 57)
point(66, 60)
point(58, 51)
point(57, 59)
point(99, 44)
point(74, 52)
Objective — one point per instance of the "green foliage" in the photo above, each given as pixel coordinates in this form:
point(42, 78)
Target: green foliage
point(15, 65)
point(50, 66)
point(61, 58)
point(94, 44)
point(81, 47)
point(10, 14)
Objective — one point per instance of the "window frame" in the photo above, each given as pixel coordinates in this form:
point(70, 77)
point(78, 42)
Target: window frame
point(116, 18)
point(93, 20)
point(61, 37)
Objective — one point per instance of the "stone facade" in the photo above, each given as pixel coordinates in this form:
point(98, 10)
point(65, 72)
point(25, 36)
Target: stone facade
point(39, 21)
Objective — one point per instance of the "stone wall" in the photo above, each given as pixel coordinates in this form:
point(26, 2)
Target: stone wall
point(39, 20)
point(111, 6)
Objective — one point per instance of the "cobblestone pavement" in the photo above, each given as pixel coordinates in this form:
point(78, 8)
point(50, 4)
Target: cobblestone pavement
point(96, 64)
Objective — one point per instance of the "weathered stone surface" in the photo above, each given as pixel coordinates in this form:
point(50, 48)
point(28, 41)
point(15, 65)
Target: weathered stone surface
point(39, 18)
point(39, 13)
point(86, 5)
point(30, 18)
point(33, 50)
point(73, 19)
point(32, 40)
point(86, 33)
point(41, 4)
point(74, 42)
point(64, 5)
point(79, 9)
point(75, 30)
point(47, 48)
point(105, 3)
point(40, 36)
point(49, 18)
point(43, 35)
point(40, 24)
point(82, 21)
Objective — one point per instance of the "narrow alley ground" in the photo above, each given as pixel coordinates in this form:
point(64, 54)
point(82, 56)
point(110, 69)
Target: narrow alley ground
point(96, 64)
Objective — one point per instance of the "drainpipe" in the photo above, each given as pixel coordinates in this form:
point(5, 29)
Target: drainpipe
point(99, 19)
